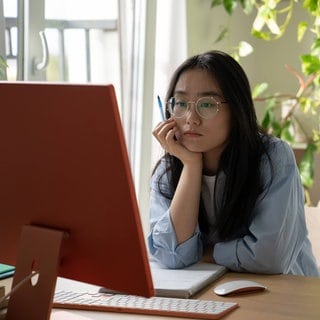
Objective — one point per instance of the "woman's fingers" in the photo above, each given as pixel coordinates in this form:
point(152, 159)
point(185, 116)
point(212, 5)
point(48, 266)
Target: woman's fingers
point(161, 130)
point(165, 133)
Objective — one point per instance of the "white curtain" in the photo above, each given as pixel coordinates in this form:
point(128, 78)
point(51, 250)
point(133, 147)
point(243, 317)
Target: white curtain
point(165, 47)
point(171, 50)
point(171, 41)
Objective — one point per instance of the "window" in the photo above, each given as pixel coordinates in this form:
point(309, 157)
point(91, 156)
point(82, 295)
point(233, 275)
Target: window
point(83, 44)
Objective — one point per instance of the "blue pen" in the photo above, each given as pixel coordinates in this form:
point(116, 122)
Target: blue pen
point(161, 109)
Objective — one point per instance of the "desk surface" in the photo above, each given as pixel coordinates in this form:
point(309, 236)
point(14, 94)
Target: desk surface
point(287, 297)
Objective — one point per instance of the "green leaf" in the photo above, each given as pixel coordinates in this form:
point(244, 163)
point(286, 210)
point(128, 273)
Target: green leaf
point(311, 5)
point(286, 132)
point(245, 48)
point(259, 89)
point(271, 4)
point(260, 34)
point(310, 64)
point(276, 128)
point(224, 32)
point(269, 122)
point(273, 26)
point(266, 120)
point(268, 117)
point(258, 23)
point(216, 3)
point(247, 6)
point(230, 6)
point(316, 47)
point(306, 166)
point(302, 28)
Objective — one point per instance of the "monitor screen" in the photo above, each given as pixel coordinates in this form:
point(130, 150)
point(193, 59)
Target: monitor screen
point(64, 165)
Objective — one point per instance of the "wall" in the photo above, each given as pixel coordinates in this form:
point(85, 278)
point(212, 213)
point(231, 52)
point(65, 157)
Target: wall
point(266, 64)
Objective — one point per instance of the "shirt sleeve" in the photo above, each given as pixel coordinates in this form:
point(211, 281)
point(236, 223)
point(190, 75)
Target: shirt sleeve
point(162, 240)
point(278, 229)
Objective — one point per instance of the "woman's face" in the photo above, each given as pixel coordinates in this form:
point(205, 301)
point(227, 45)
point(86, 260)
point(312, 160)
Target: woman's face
point(197, 134)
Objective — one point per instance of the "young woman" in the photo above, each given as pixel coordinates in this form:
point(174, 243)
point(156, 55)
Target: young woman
point(224, 191)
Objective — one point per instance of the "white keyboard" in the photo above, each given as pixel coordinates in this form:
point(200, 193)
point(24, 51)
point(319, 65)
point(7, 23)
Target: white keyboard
point(176, 307)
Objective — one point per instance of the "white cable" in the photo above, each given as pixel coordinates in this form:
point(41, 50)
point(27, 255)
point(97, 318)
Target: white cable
point(3, 300)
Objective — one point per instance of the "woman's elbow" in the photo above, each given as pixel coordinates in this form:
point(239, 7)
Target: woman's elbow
point(171, 260)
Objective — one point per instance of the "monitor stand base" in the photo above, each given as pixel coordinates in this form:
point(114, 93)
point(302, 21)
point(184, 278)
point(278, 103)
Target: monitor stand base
point(39, 254)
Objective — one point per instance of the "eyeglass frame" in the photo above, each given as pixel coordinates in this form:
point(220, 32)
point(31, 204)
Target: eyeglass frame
point(217, 103)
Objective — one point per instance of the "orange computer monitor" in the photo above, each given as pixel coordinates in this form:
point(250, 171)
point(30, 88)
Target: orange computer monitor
point(64, 165)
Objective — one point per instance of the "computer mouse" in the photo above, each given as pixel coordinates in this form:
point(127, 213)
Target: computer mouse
point(238, 286)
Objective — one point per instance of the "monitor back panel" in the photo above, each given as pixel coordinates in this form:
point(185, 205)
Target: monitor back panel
point(64, 165)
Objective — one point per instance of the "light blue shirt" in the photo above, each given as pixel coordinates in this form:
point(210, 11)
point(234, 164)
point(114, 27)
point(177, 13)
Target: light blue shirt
point(276, 241)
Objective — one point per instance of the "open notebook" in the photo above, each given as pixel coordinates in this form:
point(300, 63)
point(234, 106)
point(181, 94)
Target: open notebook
point(182, 283)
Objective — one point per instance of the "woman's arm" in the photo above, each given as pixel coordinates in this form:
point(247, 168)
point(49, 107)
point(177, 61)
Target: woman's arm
point(184, 208)
point(162, 241)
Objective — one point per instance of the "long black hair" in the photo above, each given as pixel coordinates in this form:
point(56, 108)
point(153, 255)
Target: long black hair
point(247, 143)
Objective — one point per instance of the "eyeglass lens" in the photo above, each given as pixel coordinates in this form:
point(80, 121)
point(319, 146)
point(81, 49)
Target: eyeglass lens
point(206, 107)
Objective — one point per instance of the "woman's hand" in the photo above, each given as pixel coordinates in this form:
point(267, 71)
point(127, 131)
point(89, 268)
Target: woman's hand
point(165, 133)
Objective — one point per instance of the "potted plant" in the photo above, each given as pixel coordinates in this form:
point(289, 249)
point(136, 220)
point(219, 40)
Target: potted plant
point(270, 23)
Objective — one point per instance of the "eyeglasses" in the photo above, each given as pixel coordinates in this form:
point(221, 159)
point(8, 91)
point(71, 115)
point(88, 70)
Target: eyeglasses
point(206, 107)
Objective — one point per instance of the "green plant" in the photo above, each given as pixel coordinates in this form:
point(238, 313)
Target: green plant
point(270, 23)
point(3, 67)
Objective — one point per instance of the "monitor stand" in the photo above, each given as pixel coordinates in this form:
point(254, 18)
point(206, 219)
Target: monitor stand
point(39, 252)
